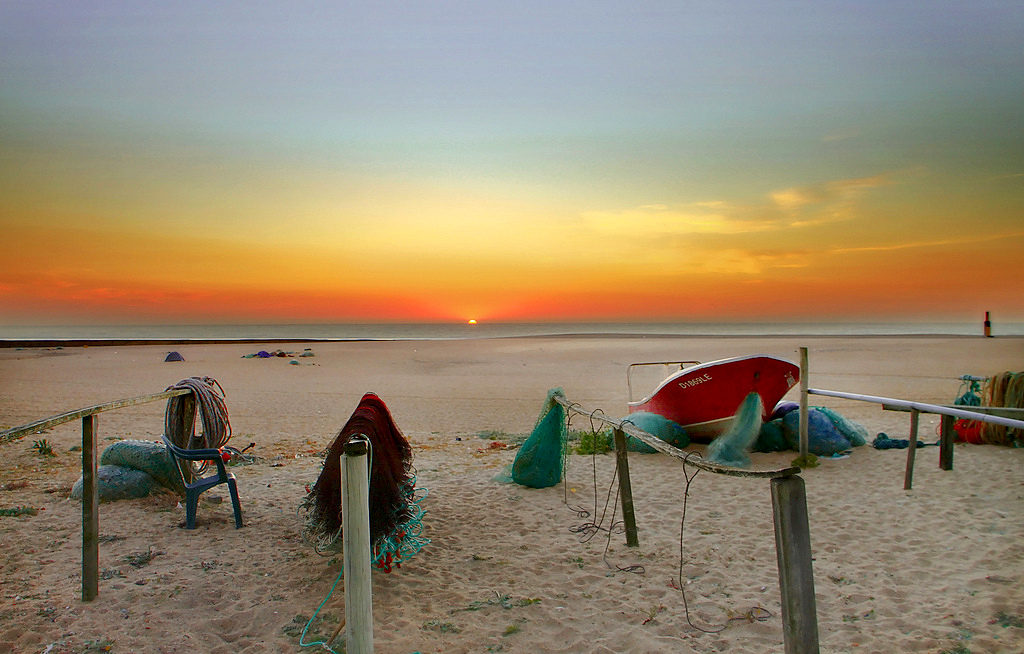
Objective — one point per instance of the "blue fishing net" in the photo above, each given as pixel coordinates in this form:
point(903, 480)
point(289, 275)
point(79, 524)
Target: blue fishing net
point(823, 439)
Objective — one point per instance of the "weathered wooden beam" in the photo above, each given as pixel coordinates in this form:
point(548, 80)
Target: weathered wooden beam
point(52, 421)
point(908, 477)
point(804, 409)
point(796, 574)
point(625, 488)
point(946, 437)
point(90, 511)
point(355, 518)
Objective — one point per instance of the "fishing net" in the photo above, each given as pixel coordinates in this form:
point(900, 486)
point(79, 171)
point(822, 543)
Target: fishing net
point(852, 431)
point(771, 437)
point(823, 438)
point(730, 449)
point(149, 457)
point(118, 483)
point(1005, 389)
point(658, 426)
point(395, 512)
point(540, 461)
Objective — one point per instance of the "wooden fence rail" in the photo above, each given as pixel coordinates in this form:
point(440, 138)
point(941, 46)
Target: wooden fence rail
point(90, 489)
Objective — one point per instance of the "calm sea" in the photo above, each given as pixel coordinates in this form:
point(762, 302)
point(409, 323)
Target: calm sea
point(409, 331)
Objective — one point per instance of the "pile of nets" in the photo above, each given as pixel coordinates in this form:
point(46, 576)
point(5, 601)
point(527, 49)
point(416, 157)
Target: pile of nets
point(828, 432)
point(396, 517)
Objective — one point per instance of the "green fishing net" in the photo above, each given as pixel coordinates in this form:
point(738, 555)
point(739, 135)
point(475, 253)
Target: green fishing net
point(541, 459)
point(730, 449)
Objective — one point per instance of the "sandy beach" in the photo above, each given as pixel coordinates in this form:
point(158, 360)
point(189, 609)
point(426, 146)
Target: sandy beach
point(939, 568)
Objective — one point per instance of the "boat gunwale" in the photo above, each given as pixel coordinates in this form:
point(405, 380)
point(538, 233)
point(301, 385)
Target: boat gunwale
point(700, 366)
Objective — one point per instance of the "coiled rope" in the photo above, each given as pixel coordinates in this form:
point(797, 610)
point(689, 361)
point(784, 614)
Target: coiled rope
point(207, 399)
point(1005, 389)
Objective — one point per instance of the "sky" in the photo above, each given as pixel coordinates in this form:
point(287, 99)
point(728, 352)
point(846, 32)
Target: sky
point(228, 162)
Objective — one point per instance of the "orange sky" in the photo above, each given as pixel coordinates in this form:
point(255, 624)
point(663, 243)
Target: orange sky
point(508, 167)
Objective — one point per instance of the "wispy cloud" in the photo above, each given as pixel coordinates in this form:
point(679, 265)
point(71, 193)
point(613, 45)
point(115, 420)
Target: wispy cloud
point(889, 247)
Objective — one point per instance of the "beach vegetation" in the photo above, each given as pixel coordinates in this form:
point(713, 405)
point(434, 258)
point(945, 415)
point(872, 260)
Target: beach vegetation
point(503, 436)
point(1004, 619)
point(100, 645)
point(443, 627)
point(959, 648)
point(43, 447)
point(803, 462)
point(139, 559)
point(18, 511)
point(513, 628)
point(503, 600)
point(591, 442)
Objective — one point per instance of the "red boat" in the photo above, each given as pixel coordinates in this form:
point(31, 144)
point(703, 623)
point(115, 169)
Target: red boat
point(703, 398)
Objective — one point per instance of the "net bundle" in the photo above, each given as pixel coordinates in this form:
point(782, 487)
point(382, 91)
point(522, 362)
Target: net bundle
point(395, 511)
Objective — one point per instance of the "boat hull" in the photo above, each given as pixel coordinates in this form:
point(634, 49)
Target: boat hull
point(704, 398)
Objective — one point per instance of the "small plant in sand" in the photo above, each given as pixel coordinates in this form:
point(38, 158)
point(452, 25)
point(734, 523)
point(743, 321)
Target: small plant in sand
point(18, 511)
point(1004, 619)
point(103, 645)
point(43, 447)
point(443, 627)
point(513, 628)
point(592, 442)
point(139, 559)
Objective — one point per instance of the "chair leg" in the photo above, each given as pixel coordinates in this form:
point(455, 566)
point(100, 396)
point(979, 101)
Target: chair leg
point(235, 503)
point(191, 500)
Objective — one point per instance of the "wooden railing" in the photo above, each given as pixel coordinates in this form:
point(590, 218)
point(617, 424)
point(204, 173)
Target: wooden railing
point(90, 490)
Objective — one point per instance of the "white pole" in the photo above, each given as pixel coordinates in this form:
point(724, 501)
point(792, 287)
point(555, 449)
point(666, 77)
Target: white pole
point(355, 524)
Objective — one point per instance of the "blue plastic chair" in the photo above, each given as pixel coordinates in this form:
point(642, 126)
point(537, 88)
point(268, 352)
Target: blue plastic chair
point(195, 488)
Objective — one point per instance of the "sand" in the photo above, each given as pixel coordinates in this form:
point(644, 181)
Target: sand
point(937, 568)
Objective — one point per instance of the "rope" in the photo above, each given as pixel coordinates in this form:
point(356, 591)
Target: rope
point(587, 530)
point(207, 399)
point(1005, 389)
point(755, 614)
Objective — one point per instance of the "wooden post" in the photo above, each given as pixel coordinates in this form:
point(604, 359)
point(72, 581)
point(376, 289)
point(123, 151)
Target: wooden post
point(908, 478)
point(796, 575)
point(355, 525)
point(988, 326)
point(90, 512)
point(946, 437)
point(625, 489)
point(803, 404)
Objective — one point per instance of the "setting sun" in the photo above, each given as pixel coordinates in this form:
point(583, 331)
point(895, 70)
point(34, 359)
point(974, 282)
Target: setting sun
point(472, 321)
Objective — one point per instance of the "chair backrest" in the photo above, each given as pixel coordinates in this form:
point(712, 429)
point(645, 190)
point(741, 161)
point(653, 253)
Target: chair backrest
point(181, 456)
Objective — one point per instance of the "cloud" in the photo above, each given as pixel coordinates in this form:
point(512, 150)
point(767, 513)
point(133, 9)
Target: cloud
point(831, 201)
point(660, 220)
point(958, 241)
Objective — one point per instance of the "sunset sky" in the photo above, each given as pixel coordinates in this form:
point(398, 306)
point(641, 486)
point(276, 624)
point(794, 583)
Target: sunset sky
point(193, 162)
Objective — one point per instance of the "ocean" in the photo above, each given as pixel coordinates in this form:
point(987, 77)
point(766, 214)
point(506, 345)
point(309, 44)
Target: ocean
point(439, 331)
